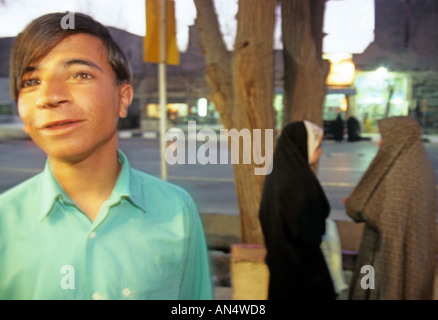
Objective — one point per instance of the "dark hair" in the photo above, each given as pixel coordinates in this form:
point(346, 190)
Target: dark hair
point(44, 33)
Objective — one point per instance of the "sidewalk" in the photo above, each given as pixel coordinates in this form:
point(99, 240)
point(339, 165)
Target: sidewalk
point(224, 233)
point(431, 138)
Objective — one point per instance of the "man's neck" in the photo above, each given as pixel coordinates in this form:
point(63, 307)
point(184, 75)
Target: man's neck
point(89, 182)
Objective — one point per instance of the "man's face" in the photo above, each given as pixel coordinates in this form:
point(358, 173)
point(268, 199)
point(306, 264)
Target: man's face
point(70, 102)
point(317, 153)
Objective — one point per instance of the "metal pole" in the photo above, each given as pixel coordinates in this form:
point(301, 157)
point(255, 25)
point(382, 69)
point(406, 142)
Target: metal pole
point(162, 88)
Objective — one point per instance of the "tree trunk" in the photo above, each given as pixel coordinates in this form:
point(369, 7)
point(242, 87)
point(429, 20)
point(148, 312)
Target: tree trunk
point(242, 88)
point(305, 70)
point(242, 82)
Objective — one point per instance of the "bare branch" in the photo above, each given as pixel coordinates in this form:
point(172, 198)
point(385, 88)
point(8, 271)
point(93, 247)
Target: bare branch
point(218, 59)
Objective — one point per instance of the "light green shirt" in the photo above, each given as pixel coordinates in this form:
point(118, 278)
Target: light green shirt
point(146, 242)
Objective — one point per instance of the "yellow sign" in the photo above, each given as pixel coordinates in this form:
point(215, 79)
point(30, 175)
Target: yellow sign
point(341, 73)
point(152, 39)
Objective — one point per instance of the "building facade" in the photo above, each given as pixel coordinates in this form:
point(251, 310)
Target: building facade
point(396, 75)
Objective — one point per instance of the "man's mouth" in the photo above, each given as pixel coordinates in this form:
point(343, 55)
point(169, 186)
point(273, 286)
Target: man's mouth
point(60, 124)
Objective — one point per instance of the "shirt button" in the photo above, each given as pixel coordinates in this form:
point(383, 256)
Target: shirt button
point(126, 292)
point(97, 296)
point(92, 235)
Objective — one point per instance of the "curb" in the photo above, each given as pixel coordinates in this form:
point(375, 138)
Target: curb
point(14, 131)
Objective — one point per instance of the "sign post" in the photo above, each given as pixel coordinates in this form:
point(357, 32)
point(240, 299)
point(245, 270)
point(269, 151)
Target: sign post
point(160, 47)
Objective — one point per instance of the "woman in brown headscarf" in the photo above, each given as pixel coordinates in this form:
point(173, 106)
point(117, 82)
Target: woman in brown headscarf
point(396, 199)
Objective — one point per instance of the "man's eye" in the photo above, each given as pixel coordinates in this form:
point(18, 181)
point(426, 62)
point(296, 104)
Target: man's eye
point(83, 76)
point(30, 83)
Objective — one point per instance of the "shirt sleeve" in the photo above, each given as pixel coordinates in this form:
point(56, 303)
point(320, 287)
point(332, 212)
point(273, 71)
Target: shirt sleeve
point(196, 281)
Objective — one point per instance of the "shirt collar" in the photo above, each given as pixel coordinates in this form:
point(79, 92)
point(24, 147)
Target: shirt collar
point(53, 192)
point(125, 186)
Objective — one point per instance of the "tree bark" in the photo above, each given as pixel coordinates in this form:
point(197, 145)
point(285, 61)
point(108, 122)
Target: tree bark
point(305, 70)
point(242, 85)
point(253, 82)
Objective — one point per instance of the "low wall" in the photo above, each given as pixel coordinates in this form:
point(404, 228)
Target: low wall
point(223, 230)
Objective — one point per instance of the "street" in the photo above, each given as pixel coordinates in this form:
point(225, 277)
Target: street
point(211, 185)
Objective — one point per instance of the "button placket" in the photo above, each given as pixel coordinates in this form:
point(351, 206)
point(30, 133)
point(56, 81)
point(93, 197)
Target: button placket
point(95, 295)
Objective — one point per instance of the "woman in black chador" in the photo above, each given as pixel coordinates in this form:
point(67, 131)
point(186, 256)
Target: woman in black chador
point(293, 211)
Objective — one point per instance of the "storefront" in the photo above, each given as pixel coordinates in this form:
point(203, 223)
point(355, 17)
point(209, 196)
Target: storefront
point(201, 110)
point(381, 94)
point(340, 90)
point(367, 95)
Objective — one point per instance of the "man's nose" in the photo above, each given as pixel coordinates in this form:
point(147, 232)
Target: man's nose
point(54, 92)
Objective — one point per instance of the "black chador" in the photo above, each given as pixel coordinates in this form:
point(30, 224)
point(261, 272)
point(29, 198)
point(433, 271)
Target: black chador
point(293, 211)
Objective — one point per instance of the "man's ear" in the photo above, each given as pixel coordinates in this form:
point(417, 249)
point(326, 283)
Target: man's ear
point(126, 93)
point(26, 129)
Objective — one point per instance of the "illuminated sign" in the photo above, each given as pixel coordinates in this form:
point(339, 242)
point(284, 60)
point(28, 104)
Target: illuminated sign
point(341, 73)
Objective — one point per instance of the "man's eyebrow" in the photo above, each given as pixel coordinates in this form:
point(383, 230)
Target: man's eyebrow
point(67, 64)
point(30, 69)
point(82, 62)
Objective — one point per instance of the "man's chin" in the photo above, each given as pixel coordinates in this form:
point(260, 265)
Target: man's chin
point(66, 153)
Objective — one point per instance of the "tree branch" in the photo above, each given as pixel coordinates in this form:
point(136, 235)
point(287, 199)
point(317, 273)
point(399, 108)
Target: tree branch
point(218, 60)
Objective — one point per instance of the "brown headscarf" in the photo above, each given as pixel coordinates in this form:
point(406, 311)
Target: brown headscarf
point(396, 199)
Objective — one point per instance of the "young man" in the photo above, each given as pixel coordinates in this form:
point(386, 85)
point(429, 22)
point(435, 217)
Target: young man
point(89, 226)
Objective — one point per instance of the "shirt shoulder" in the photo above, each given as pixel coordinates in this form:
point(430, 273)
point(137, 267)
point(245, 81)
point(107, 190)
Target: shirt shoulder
point(22, 191)
point(152, 191)
point(169, 206)
point(19, 204)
